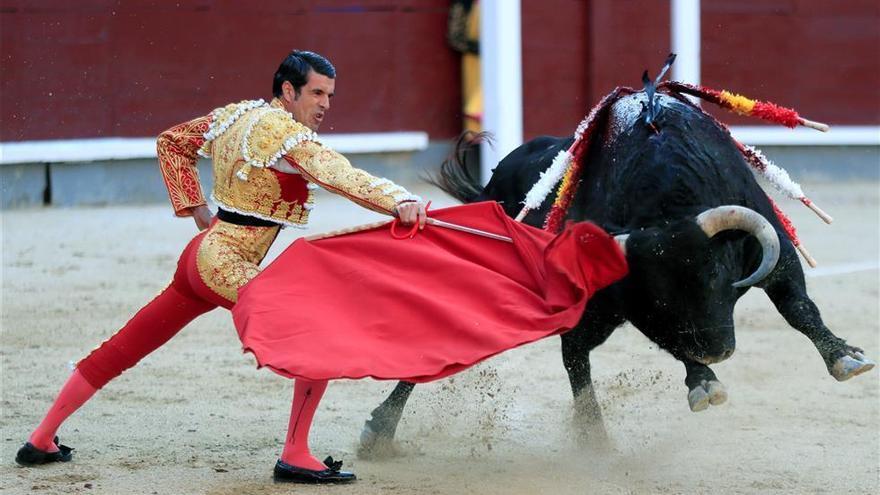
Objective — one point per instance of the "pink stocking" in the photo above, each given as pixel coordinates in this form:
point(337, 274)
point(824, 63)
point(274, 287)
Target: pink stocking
point(306, 397)
point(75, 393)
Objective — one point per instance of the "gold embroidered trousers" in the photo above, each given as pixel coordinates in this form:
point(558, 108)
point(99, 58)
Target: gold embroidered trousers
point(214, 265)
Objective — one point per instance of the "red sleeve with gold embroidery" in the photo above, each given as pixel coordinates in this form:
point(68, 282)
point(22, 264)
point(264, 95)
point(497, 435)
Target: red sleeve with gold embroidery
point(334, 173)
point(177, 149)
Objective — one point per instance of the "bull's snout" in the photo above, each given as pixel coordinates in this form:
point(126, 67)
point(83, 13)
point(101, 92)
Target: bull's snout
point(716, 358)
point(713, 345)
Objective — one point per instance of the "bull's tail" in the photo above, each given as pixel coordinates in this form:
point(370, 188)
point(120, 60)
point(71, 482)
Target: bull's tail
point(454, 177)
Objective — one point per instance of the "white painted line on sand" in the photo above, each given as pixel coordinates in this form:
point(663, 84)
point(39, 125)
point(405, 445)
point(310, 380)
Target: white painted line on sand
point(843, 269)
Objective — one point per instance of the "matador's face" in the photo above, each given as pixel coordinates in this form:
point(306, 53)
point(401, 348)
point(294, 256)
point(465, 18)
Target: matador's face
point(311, 104)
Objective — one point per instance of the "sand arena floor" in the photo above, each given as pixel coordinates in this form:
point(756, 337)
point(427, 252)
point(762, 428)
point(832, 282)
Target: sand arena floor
point(197, 418)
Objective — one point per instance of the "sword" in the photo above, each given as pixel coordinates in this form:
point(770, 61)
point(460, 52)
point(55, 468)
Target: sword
point(469, 230)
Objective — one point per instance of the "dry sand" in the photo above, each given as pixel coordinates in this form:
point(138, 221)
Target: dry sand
point(196, 417)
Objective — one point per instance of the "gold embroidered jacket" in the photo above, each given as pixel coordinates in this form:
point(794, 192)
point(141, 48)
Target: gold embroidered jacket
point(266, 165)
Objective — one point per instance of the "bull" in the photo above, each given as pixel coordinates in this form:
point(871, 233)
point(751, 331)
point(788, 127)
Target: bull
point(698, 232)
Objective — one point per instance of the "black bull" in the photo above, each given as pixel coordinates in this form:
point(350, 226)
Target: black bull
point(651, 182)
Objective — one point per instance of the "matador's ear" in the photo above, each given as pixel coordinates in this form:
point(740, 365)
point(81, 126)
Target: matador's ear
point(288, 92)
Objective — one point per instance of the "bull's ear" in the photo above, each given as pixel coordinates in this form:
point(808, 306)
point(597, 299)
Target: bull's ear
point(728, 236)
point(677, 241)
point(639, 243)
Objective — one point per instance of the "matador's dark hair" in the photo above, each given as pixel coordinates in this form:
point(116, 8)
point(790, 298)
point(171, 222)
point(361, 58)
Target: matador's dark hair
point(295, 68)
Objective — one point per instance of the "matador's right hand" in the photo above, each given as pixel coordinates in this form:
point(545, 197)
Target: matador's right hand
point(410, 212)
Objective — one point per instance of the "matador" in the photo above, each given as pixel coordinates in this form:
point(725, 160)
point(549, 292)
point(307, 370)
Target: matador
point(267, 162)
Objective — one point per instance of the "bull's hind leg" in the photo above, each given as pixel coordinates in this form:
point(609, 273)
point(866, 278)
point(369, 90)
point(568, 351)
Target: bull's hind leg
point(591, 332)
point(377, 437)
point(789, 294)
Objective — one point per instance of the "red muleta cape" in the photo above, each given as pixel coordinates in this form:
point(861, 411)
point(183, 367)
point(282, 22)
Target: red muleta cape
point(419, 309)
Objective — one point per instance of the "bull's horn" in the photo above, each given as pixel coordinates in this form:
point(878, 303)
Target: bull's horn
point(740, 218)
point(620, 239)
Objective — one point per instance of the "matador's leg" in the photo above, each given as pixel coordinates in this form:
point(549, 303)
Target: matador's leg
point(226, 261)
point(148, 330)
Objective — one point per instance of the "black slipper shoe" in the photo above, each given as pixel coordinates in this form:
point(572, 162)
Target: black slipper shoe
point(285, 473)
point(28, 455)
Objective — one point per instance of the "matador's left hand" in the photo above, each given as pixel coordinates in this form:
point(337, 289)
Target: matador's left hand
point(203, 216)
point(411, 212)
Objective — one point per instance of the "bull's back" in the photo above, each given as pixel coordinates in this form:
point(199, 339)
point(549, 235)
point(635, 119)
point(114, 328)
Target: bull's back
point(682, 164)
point(515, 175)
point(636, 175)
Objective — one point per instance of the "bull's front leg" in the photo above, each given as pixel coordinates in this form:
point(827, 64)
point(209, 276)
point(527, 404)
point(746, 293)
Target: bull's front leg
point(704, 389)
point(377, 437)
point(789, 294)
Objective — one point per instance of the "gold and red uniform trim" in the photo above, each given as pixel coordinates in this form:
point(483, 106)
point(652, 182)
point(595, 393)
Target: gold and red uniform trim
point(177, 149)
point(246, 142)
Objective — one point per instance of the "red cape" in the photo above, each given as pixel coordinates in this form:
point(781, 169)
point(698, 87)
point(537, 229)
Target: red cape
point(365, 304)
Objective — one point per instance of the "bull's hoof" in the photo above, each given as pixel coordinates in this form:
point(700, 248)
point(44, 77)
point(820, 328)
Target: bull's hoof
point(850, 365)
point(374, 445)
point(587, 425)
point(589, 432)
point(368, 436)
point(698, 399)
point(593, 438)
point(717, 393)
point(707, 393)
